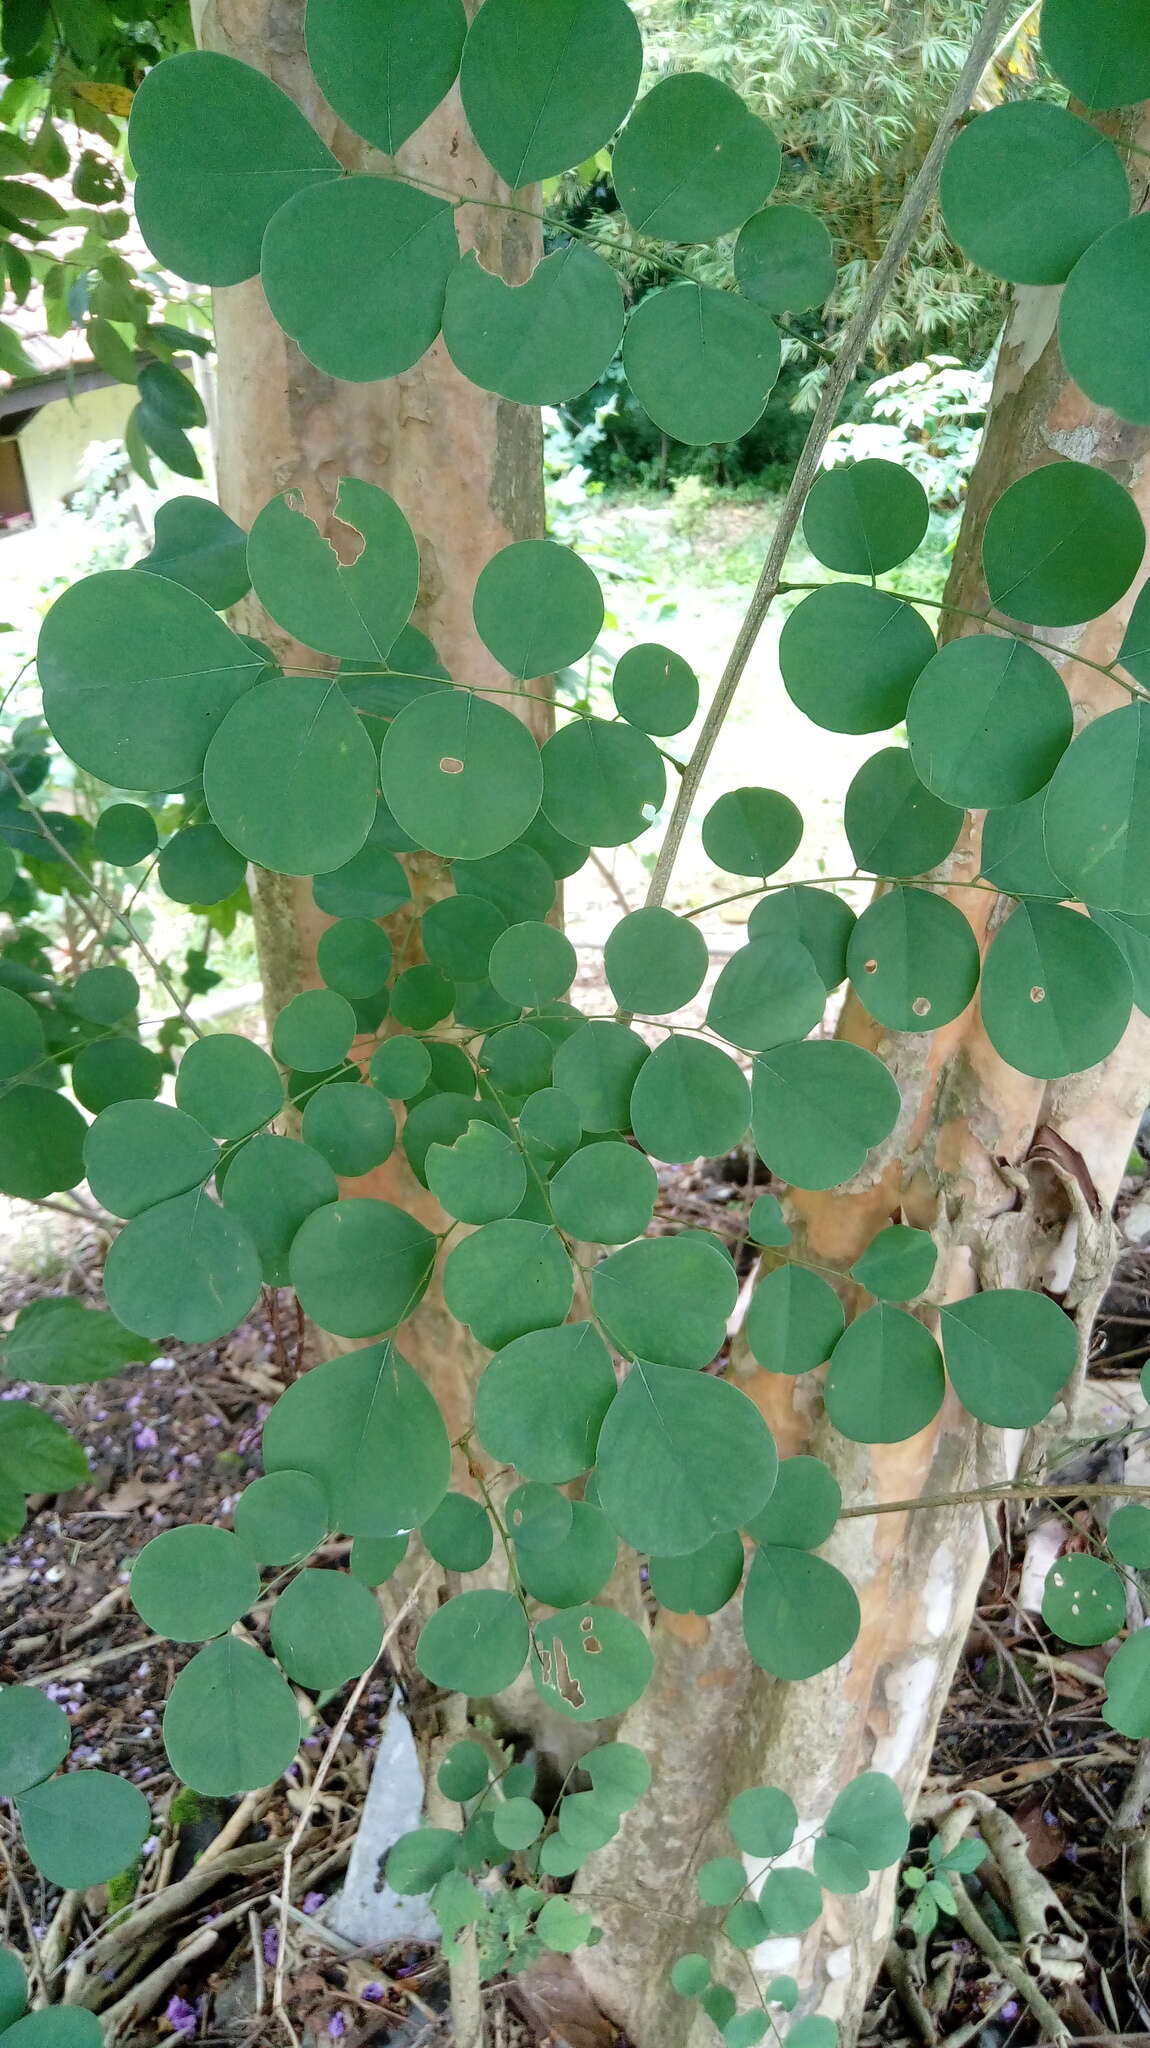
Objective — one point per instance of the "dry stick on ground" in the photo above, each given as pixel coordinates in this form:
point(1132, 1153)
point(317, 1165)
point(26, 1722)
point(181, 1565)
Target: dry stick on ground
point(36, 1968)
point(839, 378)
point(301, 1826)
point(951, 1829)
point(146, 1995)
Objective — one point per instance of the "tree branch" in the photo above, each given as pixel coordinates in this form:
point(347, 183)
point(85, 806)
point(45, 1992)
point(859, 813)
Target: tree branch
point(906, 227)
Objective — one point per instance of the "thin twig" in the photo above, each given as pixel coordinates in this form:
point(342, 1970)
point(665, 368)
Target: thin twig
point(1022, 1489)
point(36, 1966)
point(301, 1826)
point(146, 1995)
point(907, 223)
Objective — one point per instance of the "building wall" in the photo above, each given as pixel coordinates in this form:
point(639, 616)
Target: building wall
point(55, 442)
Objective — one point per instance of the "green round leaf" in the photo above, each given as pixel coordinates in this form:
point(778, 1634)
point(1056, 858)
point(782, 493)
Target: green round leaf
point(690, 1976)
point(745, 1927)
point(361, 1266)
point(752, 831)
point(125, 834)
point(518, 882)
point(769, 993)
point(57, 1342)
point(217, 148)
point(894, 825)
point(518, 1823)
point(574, 1570)
point(561, 1926)
point(184, 1269)
point(682, 1457)
point(790, 1901)
point(273, 1185)
point(140, 1154)
point(592, 1663)
point(199, 866)
point(898, 1264)
point(821, 920)
point(464, 1772)
point(1056, 992)
point(597, 1068)
point(839, 1867)
point(351, 1128)
point(885, 1381)
point(421, 997)
point(850, 657)
point(477, 1644)
point(541, 1402)
point(1102, 53)
point(1027, 187)
point(549, 1129)
point(800, 1615)
point(546, 83)
point(767, 1224)
point(314, 1032)
point(480, 1178)
point(83, 1828)
point(356, 610)
point(508, 1279)
point(702, 1582)
point(400, 1068)
point(606, 781)
point(702, 363)
point(721, 1880)
point(1009, 1354)
point(803, 1508)
point(605, 1194)
point(1100, 847)
point(538, 1516)
point(1014, 853)
point(229, 1085)
point(231, 1723)
point(538, 608)
point(367, 1429)
point(35, 1737)
point(381, 67)
point(193, 1582)
point(57, 2027)
point(281, 1518)
point(868, 1814)
point(462, 775)
point(459, 933)
point(105, 995)
point(199, 546)
point(1084, 1600)
point(794, 1320)
point(988, 722)
point(290, 777)
point(14, 1999)
point(620, 1774)
point(538, 343)
point(1127, 1706)
point(374, 1558)
point(763, 1820)
point(532, 964)
point(41, 1143)
point(693, 161)
point(116, 1070)
point(21, 1035)
point(785, 260)
point(1128, 1535)
point(370, 884)
point(655, 962)
point(865, 517)
point(913, 960)
point(655, 689)
point(458, 1534)
point(354, 321)
point(1062, 545)
point(1102, 317)
point(138, 674)
point(818, 1108)
point(441, 1119)
point(420, 1859)
point(325, 1629)
point(667, 1299)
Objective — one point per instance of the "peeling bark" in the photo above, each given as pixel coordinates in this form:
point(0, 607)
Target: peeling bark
point(973, 1160)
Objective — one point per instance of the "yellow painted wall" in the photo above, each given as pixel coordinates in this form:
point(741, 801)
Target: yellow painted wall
point(53, 444)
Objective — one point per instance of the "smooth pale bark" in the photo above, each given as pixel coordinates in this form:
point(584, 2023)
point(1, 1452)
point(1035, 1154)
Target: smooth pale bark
point(1016, 1178)
point(464, 465)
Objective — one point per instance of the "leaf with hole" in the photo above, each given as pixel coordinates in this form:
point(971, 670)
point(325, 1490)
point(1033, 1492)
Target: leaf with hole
point(355, 609)
point(538, 343)
point(1056, 992)
point(1084, 1600)
point(701, 362)
point(913, 960)
point(591, 1663)
point(604, 780)
point(682, 1457)
point(369, 1432)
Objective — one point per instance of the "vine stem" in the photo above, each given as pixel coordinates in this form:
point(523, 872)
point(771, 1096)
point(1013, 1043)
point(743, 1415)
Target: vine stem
point(1019, 1489)
point(910, 218)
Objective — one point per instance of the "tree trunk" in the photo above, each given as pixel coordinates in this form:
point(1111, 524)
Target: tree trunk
point(1016, 1178)
point(465, 467)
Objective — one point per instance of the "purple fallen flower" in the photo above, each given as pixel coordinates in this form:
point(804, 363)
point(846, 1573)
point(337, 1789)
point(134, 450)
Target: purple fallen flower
point(313, 1901)
point(337, 2026)
point(373, 1993)
point(181, 2016)
point(271, 1944)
